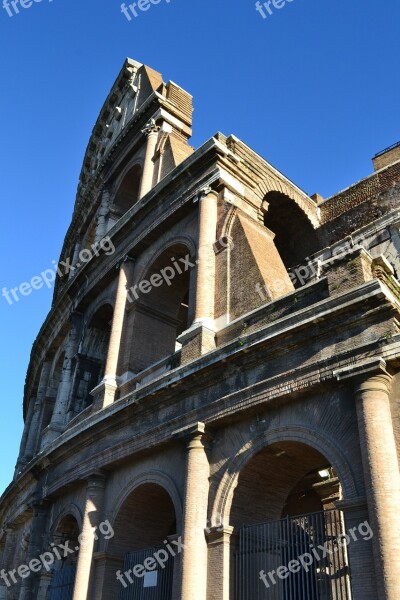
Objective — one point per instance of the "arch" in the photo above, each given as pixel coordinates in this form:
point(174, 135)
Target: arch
point(227, 225)
point(163, 309)
point(65, 529)
point(96, 306)
point(91, 358)
point(127, 188)
point(71, 510)
point(3, 540)
point(136, 162)
point(144, 520)
point(57, 370)
point(56, 359)
point(95, 337)
point(158, 478)
point(309, 437)
point(295, 236)
point(286, 188)
point(88, 234)
point(181, 240)
point(52, 386)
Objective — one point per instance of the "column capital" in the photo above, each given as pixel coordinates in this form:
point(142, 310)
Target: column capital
point(125, 259)
point(352, 504)
point(205, 192)
point(150, 127)
point(377, 383)
point(96, 480)
point(219, 535)
point(193, 435)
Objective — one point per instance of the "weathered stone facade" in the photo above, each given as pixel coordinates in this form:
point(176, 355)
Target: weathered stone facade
point(228, 356)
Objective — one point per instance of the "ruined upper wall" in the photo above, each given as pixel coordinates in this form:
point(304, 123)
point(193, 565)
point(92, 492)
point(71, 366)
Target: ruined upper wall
point(387, 157)
point(133, 90)
point(360, 204)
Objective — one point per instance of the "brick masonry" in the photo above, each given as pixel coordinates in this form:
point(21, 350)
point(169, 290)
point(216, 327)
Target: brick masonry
point(222, 402)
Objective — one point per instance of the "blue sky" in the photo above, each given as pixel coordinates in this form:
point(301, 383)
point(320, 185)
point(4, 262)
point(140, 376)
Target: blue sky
point(314, 88)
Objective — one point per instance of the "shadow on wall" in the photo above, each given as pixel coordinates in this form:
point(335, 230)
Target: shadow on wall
point(295, 237)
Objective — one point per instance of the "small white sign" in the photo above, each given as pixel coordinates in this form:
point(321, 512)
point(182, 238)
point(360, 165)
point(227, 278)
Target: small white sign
point(150, 579)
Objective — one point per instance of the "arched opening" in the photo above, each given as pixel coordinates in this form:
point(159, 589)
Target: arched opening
point(17, 554)
point(282, 508)
point(87, 243)
point(90, 360)
point(64, 568)
point(163, 308)
point(51, 390)
point(143, 538)
point(128, 192)
point(3, 565)
point(2, 550)
point(295, 237)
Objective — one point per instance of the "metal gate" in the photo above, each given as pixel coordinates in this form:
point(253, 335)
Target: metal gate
point(155, 585)
point(62, 584)
point(322, 574)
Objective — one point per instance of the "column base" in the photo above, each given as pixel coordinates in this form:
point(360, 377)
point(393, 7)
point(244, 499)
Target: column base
point(51, 433)
point(104, 394)
point(196, 341)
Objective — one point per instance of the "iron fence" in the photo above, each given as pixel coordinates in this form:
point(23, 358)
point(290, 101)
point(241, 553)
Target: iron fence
point(265, 547)
point(62, 584)
point(154, 585)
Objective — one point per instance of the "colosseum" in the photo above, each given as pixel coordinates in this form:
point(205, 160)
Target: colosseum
point(211, 406)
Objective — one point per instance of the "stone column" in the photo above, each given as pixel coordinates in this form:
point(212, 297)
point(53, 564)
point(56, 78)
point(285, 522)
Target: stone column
point(36, 543)
point(381, 474)
point(205, 286)
point(58, 419)
point(109, 385)
point(104, 209)
point(151, 130)
point(200, 337)
point(91, 520)
point(194, 557)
